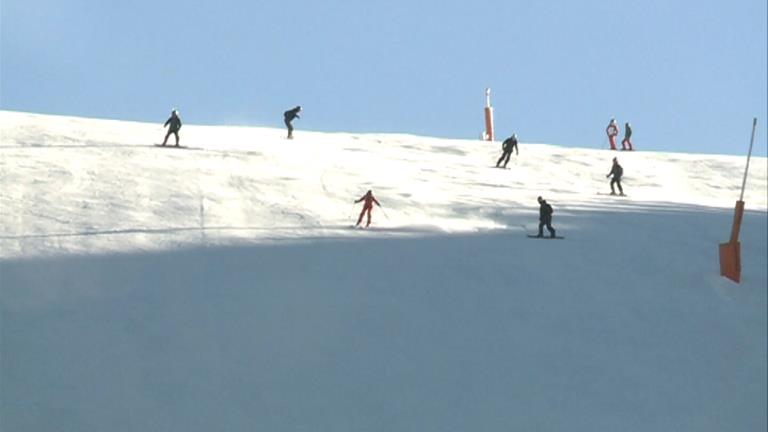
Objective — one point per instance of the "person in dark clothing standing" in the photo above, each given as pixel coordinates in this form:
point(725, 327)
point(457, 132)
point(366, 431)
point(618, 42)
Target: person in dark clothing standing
point(616, 171)
point(507, 146)
point(545, 218)
point(175, 124)
point(626, 143)
point(288, 118)
point(367, 207)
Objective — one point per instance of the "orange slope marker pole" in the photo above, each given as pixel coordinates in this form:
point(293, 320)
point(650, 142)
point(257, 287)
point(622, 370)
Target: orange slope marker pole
point(488, 116)
point(730, 253)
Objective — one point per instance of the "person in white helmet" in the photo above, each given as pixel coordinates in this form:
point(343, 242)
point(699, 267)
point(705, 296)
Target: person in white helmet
point(612, 130)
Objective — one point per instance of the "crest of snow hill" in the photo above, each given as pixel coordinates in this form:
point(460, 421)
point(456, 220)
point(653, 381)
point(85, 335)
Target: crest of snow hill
point(97, 185)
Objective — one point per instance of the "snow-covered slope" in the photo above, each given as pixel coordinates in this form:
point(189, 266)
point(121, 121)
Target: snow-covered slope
point(241, 300)
point(82, 185)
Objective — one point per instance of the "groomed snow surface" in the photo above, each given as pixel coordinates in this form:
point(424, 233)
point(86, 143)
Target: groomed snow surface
point(220, 287)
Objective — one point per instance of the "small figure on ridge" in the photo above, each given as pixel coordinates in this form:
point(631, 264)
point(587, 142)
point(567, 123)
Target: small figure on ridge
point(612, 130)
point(507, 146)
point(288, 118)
point(626, 143)
point(175, 124)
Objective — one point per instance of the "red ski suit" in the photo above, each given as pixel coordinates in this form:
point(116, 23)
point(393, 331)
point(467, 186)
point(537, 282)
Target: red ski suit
point(612, 130)
point(368, 206)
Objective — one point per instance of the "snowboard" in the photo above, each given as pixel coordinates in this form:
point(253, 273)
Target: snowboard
point(616, 195)
point(546, 237)
point(172, 146)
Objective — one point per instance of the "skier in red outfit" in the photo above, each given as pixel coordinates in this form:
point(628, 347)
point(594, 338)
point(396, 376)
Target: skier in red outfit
point(368, 206)
point(612, 130)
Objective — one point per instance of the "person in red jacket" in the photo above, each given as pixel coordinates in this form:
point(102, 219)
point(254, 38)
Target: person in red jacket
point(367, 206)
point(612, 130)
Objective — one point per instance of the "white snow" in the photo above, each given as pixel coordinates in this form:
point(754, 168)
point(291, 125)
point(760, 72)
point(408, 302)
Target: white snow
point(220, 287)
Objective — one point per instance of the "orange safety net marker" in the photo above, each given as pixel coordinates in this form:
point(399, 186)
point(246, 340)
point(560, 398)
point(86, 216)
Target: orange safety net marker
point(730, 253)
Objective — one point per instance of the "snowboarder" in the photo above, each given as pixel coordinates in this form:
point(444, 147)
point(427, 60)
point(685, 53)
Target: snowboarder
point(612, 130)
point(367, 207)
point(288, 118)
point(626, 143)
point(616, 171)
point(175, 124)
point(507, 146)
point(545, 218)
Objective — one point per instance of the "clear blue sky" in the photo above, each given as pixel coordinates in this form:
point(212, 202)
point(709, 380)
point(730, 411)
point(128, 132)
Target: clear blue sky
point(688, 75)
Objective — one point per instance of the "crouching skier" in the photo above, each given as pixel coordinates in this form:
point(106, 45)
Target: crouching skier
point(367, 207)
point(288, 118)
point(507, 146)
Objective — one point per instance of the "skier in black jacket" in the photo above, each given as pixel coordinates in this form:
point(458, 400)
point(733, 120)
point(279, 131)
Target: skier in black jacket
point(626, 143)
point(617, 171)
point(289, 116)
point(175, 124)
point(545, 218)
point(507, 146)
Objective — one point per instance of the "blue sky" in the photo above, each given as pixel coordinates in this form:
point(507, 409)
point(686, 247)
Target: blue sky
point(689, 76)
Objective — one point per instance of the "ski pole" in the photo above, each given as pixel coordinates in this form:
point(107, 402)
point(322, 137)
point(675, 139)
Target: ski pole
point(385, 213)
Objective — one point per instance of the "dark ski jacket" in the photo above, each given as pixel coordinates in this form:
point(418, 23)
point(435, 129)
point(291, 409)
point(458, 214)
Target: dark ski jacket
point(369, 200)
point(175, 122)
point(627, 131)
point(510, 144)
point(545, 212)
point(617, 171)
point(291, 114)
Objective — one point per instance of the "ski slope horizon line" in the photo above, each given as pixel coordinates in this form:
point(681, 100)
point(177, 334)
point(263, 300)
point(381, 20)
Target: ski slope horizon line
point(299, 131)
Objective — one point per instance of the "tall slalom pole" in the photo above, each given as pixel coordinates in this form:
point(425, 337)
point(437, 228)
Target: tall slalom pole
point(749, 156)
point(488, 116)
point(730, 253)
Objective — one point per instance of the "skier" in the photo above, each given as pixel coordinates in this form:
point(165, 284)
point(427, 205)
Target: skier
point(617, 171)
point(612, 130)
point(289, 116)
point(367, 207)
point(175, 124)
point(626, 143)
point(545, 218)
point(507, 146)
